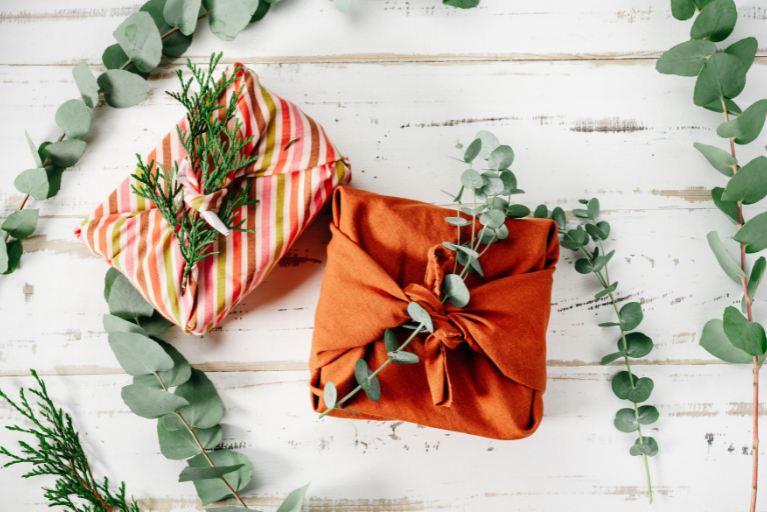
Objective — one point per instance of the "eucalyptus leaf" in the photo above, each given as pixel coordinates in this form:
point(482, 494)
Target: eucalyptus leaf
point(179, 374)
point(749, 184)
point(746, 127)
point(716, 343)
point(140, 40)
point(720, 159)
point(149, 402)
point(606, 291)
point(66, 153)
point(502, 233)
point(726, 261)
point(583, 266)
point(21, 223)
point(642, 390)
point(648, 414)
point(509, 182)
point(595, 232)
point(541, 212)
point(420, 316)
point(330, 395)
point(501, 158)
point(367, 381)
point(174, 44)
point(156, 325)
point(723, 75)
point(631, 316)
point(471, 179)
point(716, 21)
point(126, 302)
point(456, 291)
point(499, 203)
point(458, 221)
point(558, 216)
point(716, 106)
point(137, 354)
point(294, 501)
point(461, 4)
point(403, 357)
point(685, 59)
point(180, 445)
point(625, 421)
point(229, 17)
point(472, 151)
point(492, 183)
point(342, 5)
point(639, 345)
point(33, 149)
point(10, 255)
point(191, 474)
point(745, 50)
point(648, 447)
point(621, 385)
point(182, 14)
point(390, 341)
point(489, 144)
point(743, 334)
point(517, 211)
point(86, 84)
point(261, 10)
point(74, 119)
point(211, 491)
point(115, 58)
point(109, 279)
point(205, 409)
point(116, 324)
point(754, 234)
point(4, 260)
point(122, 89)
point(609, 358)
point(682, 9)
point(729, 208)
point(757, 273)
point(493, 219)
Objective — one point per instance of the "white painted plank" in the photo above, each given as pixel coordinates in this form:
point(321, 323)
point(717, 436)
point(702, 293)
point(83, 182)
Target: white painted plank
point(576, 460)
point(377, 30)
point(616, 130)
point(52, 306)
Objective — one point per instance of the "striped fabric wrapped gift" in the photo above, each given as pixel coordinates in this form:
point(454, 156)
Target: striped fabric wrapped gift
point(295, 173)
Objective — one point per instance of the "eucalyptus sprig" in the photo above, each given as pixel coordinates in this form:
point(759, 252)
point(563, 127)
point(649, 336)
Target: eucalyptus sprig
point(60, 454)
point(491, 193)
point(214, 150)
point(343, 5)
point(626, 385)
point(160, 28)
point(720, 77)
point(188, 419)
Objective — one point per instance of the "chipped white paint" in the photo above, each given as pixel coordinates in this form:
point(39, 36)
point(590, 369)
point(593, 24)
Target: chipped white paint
point(395, 83)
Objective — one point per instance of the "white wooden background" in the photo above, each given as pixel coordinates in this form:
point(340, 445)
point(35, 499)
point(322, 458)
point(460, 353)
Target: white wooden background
point(570, 85)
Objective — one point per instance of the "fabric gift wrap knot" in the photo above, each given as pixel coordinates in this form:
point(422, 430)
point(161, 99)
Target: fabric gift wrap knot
point(296, 170)
point(483, 369)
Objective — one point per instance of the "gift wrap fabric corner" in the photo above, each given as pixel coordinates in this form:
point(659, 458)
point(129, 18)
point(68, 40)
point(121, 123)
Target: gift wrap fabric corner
point(483, 369)
point(293, 177)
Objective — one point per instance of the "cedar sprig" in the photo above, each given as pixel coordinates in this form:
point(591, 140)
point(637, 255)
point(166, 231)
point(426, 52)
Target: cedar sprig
point(214, 151)
point(59, 453)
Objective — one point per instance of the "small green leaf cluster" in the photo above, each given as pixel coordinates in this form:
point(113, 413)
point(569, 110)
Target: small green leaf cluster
point(343, 5)
point(215, 150)
point(491, 193)
point(188, 419)
point(60, 454)
point(160, 28)
point(721, 76)
point(629, 345)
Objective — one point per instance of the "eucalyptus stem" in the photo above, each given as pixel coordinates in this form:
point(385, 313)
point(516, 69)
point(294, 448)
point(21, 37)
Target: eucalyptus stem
point(199, 444)
point(26, 197)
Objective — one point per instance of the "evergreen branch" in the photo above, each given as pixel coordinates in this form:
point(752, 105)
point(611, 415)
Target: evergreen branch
point(59, 453)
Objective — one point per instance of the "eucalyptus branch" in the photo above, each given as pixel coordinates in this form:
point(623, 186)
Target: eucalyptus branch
point(720, 77)
point(491, 213)
point(625, 384)
point(59, 453)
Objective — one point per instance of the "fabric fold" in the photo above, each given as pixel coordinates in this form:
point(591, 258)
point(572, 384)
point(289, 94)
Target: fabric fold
point(483, 369)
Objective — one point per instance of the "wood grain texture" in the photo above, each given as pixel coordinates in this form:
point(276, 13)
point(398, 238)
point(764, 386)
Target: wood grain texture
point(570, 85)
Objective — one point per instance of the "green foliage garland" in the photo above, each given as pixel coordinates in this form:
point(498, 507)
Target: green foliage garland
point(188, 419)
point(625, 384)
point(60, 454)
point(488, 189)
point(720, 77)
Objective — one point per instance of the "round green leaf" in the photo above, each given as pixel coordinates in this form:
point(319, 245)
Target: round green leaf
point(137, 354)
point(126, 302)
point(205, 409)
point(743, 334)
point(115, 58)
point(502, 233)
point(649, 447)
point(492, 219)
point(517, 211)
point(66, 153)
point(625, 421)
point(180, 445)
point(456, 291)
point(330, 395)
point(86, 84)
point(582, 266)
point(746, 127)
point(720, 159)
point(10, 255)
point(472, 151)
point(685, 59)
point(642, 389)
point(639, 345)
point(541, 212)
point(498, 203)
point(180, 373)
point(182, 14)
point(595, 232)
point(492, 183)
point(621, 385)
point(715, 21)
point(558, 216)
point(471, 179)
point(489, 144)
point(149, 402)
point(74, 119)
point(749, 184)
point(509, 182)
point(140, 40)
point(648, 415)
point(753, 233)
point(21, 224)
point(211, 491)
point(122, 88)
point(176, 43)
point(682, 9)
point(461, 4)
point(420, 316)
point(592, 208)
point(390, 341)
point(501, 158)
point(729, 208)
point(745, 50)
point(723, 75)
point(374, 391)
point(229, 17)
point(631, 316)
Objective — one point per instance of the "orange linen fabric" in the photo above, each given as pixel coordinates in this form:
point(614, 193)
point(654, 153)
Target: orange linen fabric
point(483, 371)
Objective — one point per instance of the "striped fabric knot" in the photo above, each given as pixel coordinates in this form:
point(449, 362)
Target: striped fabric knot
point(207, 205)
point(295, 172)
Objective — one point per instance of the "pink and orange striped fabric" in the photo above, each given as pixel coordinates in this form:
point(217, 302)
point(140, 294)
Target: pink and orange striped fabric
point(292, 182)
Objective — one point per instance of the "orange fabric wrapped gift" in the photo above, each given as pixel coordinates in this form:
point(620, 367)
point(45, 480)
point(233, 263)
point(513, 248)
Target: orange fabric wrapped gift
point(483, 370)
